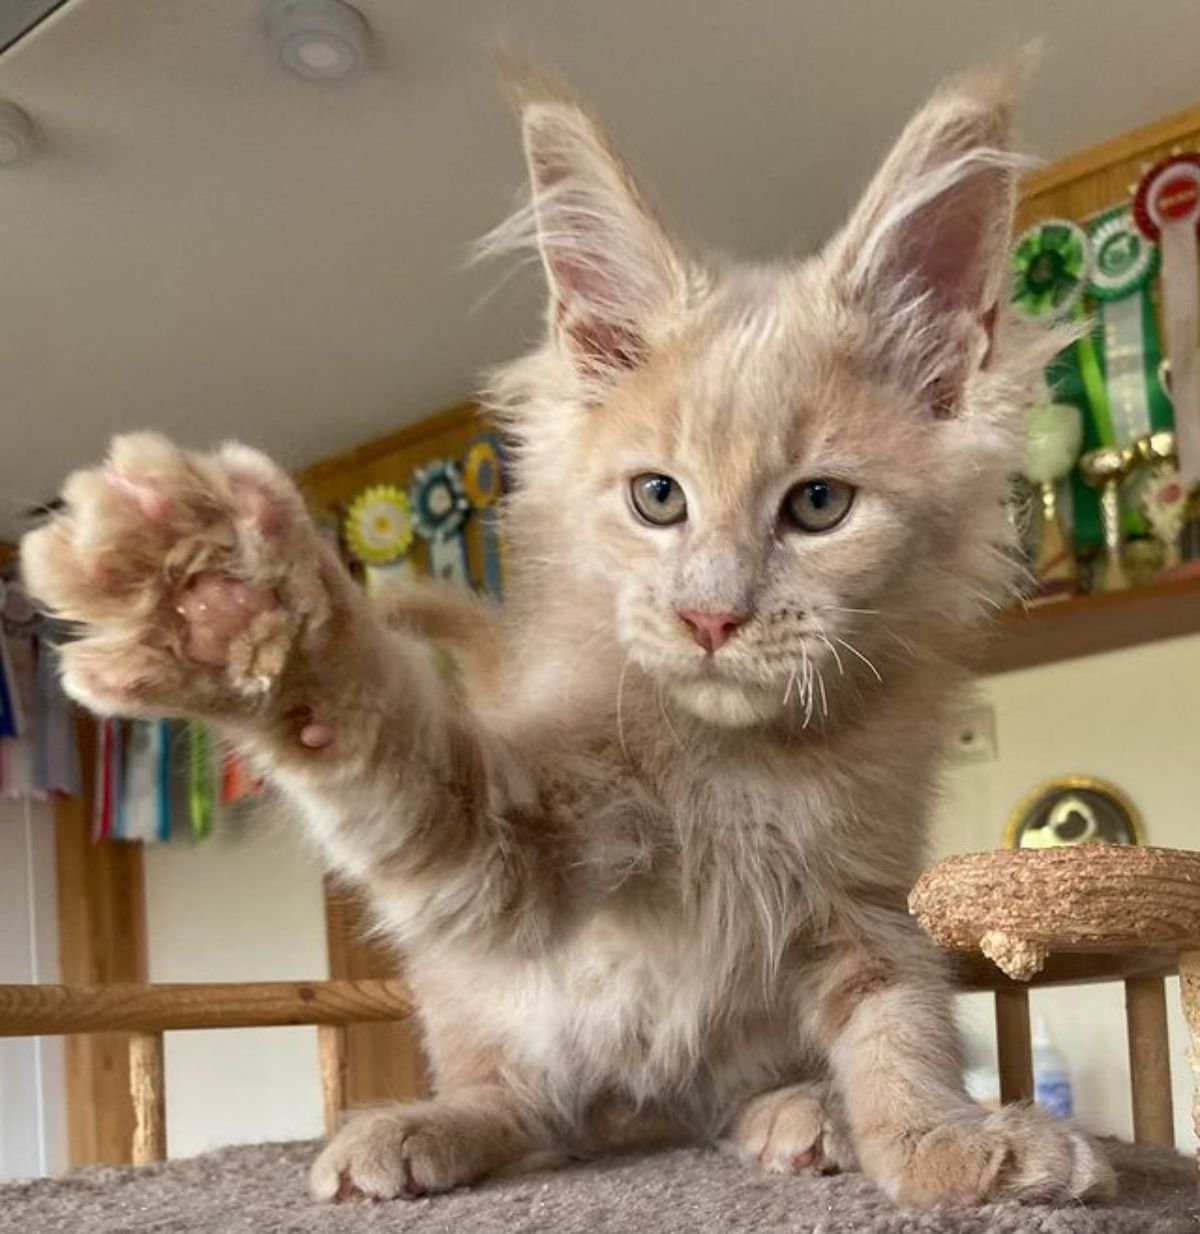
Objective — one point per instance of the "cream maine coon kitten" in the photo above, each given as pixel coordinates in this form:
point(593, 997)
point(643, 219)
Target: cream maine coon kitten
point(648, 853)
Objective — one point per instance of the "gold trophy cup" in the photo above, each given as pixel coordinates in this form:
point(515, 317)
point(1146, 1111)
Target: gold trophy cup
point(1053, 435)
point(1107, 469)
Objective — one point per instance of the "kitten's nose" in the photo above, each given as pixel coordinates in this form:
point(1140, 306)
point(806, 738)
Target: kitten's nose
point(711, 629)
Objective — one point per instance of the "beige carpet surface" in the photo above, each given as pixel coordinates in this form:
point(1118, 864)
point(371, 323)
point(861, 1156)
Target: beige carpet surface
point(262, 1189)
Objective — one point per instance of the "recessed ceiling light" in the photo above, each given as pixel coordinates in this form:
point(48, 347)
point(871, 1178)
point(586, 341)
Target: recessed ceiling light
point(317, 39)
point(16, 133)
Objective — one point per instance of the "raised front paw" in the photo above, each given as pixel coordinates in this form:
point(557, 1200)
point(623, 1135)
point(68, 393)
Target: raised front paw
point(1018, 1153)
point(188, 577)
point(790, 1131)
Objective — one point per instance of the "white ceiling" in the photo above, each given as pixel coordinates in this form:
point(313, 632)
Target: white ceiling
point(210, 246)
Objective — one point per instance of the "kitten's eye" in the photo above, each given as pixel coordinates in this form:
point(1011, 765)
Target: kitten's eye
point(817, 505)
point(658, 499)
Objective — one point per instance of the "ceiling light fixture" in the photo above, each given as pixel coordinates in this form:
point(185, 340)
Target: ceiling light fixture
point(16, 134)
point(319, 40)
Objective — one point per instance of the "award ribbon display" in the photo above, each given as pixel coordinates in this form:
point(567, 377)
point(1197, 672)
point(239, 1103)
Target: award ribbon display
point(1124, 263)
point(379, 532)
point(143, 812)
point(439, 511)
point(1051, 268)
point(1167, 208)
point(483, 481)
point(202, 780)
point(108, 777)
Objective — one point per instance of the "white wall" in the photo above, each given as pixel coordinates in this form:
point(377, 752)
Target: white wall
point(1131, 717)
point(245, 905)
point(32, 1103)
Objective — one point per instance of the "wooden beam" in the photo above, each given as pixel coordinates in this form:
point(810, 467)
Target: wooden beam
point(1189, 993)
point(33, 1010)
point(973, 971)
point(318, 478)
point(1087, 625)
point(1149, 1061)
point(101, 939)
point(1014, 1047)
point(147, 1088)
point(331, 1048)
point(383, 1061)
point(1131, 145)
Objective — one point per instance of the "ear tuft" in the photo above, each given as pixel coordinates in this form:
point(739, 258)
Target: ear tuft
point(614, 274)
point(928, 243)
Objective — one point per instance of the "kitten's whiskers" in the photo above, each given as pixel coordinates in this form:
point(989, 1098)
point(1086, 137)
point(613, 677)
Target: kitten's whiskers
point(854, 651)
point(620, 700)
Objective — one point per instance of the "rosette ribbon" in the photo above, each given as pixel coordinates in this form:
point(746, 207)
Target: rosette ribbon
point(1167, 209)
point(439, 512)
point(1124, 263)
point(379, 531)
point(483, 481)
point(1051, 268)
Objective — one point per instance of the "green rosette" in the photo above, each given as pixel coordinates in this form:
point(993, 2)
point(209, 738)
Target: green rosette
point(1050, 265)
point(1124, 263)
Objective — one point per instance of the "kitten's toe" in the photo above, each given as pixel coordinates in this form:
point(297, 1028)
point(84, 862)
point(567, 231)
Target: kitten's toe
point(789, 1131)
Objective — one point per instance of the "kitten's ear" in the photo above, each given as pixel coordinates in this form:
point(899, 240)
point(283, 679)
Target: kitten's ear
point(924, 253)
point(613, 271)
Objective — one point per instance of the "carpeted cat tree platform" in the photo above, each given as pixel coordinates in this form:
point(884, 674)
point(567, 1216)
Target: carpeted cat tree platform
point(263, 1188)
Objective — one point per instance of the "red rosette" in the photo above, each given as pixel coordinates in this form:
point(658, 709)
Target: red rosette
point(1168, 192)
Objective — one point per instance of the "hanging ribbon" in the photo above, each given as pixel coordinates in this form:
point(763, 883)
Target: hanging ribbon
point(162, 749)
point(237, 782)
point(56, 754)
point(439, 511)
point(10, 725)
point(483, 481)
point(202, 780)
point(1124, 264)
point(108, 755)
point(138, 810)
point(379, 532)
point(1167, 208)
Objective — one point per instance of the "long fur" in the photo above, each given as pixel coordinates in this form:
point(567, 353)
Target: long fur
point(645, 893)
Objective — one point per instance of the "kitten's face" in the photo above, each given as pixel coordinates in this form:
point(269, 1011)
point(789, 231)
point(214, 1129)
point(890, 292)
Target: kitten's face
point(781, 476)
point(758, 507)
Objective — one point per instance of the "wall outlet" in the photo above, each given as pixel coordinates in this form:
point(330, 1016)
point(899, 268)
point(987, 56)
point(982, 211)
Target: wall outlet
point(974, 739)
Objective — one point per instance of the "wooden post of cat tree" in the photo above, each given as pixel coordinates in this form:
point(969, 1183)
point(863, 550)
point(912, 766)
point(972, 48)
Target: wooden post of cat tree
point(1189, 985)
point(147, 1089)
point(1149, 1060)
point(331, 1048)
point(1014, 1049)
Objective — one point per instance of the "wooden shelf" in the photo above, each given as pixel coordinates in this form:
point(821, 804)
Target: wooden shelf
point(1069, 629)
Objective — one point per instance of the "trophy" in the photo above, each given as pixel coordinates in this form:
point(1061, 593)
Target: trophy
point(1053, 434)
point(1107, 469)
point(1163, 500)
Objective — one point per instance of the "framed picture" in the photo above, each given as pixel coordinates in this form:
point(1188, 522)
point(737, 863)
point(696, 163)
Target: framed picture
point(1074, 809)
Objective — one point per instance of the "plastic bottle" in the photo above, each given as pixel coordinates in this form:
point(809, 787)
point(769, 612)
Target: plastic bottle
point(1051, 1077)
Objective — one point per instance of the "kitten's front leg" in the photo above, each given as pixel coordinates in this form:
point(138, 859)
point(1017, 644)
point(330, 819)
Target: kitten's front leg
point(200, 587)
point(885, 1013)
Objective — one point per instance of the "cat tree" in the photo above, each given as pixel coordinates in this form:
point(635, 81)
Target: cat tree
point(1096, 912)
